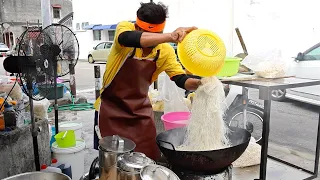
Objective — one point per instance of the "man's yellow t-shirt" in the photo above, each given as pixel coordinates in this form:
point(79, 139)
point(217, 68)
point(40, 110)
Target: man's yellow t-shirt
point(167, 60)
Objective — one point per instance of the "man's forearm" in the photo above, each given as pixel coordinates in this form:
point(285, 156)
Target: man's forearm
point(140, 39)
point(153, 39)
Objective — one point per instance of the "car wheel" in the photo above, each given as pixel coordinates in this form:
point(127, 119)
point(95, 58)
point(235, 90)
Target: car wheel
point(278, 95)
point(90, 59)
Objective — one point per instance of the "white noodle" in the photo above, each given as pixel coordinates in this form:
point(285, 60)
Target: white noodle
point(206, 129)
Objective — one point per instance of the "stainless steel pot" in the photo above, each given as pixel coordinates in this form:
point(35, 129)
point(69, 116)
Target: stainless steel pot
point(110, 148)
point(39, 176)
point(130, 165)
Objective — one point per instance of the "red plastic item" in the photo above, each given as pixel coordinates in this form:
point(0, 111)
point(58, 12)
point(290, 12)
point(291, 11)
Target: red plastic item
point(54, 161)
point(44, 166)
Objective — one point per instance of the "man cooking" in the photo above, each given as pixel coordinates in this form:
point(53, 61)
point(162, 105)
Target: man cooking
point(139, 54)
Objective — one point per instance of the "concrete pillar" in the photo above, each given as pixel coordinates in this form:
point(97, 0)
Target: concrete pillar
point(46, 13)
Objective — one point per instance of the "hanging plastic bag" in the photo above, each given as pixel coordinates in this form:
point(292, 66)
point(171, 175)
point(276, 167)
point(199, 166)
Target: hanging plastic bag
point(41, 108)
point(16, 92)
point(156, 100)
point(270, 65)
point(173, 97)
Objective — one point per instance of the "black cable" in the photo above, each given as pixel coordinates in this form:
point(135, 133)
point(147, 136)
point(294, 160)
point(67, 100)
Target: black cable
point(5, 100)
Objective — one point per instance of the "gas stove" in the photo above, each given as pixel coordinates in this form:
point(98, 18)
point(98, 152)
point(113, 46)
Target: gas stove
point(188, 175)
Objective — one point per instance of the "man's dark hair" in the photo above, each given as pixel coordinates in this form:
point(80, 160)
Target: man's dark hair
point(153, 13)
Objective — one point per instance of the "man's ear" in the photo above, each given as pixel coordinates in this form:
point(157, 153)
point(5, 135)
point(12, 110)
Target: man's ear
point(137, 27)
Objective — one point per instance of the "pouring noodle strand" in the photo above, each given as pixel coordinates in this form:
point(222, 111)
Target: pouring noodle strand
point(206, 129)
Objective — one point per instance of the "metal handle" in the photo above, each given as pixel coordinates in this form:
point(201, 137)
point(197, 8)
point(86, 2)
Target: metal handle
point(244, 48)
point(166, 143)
point(137, 154)
point(117, 141)
point(97, 129)
point(164, 172)
point(139, 157)
point(64, 135)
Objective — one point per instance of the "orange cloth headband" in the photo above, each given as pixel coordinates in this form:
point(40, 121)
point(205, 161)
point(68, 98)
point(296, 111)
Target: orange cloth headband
point(151, 27)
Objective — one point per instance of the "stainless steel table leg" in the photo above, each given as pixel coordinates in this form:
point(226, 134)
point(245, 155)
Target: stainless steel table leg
point(245, 98)
point(316, 165)
point(265, 139)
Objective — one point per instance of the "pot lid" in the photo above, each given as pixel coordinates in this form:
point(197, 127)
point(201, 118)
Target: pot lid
point(116, 144)
point(133, 162)
point(156, 172)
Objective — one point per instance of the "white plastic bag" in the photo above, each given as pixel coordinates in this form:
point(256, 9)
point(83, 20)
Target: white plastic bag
point(173, 97)
point(41, 108)
point(15, 94)
point(270, 65)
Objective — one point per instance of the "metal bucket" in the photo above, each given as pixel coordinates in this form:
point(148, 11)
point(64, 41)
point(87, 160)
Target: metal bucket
point(39, 176)
point(130, 165)
point(110, 147)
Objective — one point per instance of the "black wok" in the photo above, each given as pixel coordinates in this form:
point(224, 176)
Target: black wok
point(213, 162)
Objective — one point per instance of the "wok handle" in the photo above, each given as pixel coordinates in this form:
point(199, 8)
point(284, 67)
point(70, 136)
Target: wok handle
point(167, 143)
point(92, 171)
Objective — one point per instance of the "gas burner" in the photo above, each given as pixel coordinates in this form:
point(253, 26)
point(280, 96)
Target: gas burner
point(187, 175)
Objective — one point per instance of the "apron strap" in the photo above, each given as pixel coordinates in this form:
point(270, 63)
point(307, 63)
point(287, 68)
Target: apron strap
point(157, 56)
point(133, 53)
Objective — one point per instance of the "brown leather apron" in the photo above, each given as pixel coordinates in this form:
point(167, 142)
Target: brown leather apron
point(126, 109)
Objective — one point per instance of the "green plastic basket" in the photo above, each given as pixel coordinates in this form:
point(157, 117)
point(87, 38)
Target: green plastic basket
point(50, 94)
point(69, 140)
point(230, 67)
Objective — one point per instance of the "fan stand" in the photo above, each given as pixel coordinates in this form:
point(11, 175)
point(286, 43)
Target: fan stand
point(56, 111)
point(34, 129)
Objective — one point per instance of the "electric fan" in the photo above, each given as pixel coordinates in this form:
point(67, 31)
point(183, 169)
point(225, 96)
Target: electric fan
point(60, 36)
point(33, 70)
point(43, 55)
point(39, 69)
point(60, 46)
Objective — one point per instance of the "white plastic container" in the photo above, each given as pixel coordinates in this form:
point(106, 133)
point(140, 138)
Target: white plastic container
point(46, 168)
point(73, 156)
point(76, 126)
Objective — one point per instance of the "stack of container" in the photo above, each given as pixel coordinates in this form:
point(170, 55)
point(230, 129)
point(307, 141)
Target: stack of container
point(68, 148)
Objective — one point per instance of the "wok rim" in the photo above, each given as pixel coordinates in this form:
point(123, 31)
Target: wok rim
point(207, 151)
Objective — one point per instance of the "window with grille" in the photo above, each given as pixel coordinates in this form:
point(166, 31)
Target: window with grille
point(96, 35)
point(111, 34)
point(84, 24)
point(56, 13)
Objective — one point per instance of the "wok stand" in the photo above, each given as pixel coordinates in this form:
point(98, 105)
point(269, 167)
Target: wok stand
point(265, 86)
point(189, 175)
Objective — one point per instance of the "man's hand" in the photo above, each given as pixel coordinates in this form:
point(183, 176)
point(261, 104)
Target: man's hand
point(179, 34)
point(192, 84)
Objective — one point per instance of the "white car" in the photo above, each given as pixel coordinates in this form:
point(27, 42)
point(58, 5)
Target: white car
point(305, 65)
point(100, 52)
point(4, 50)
